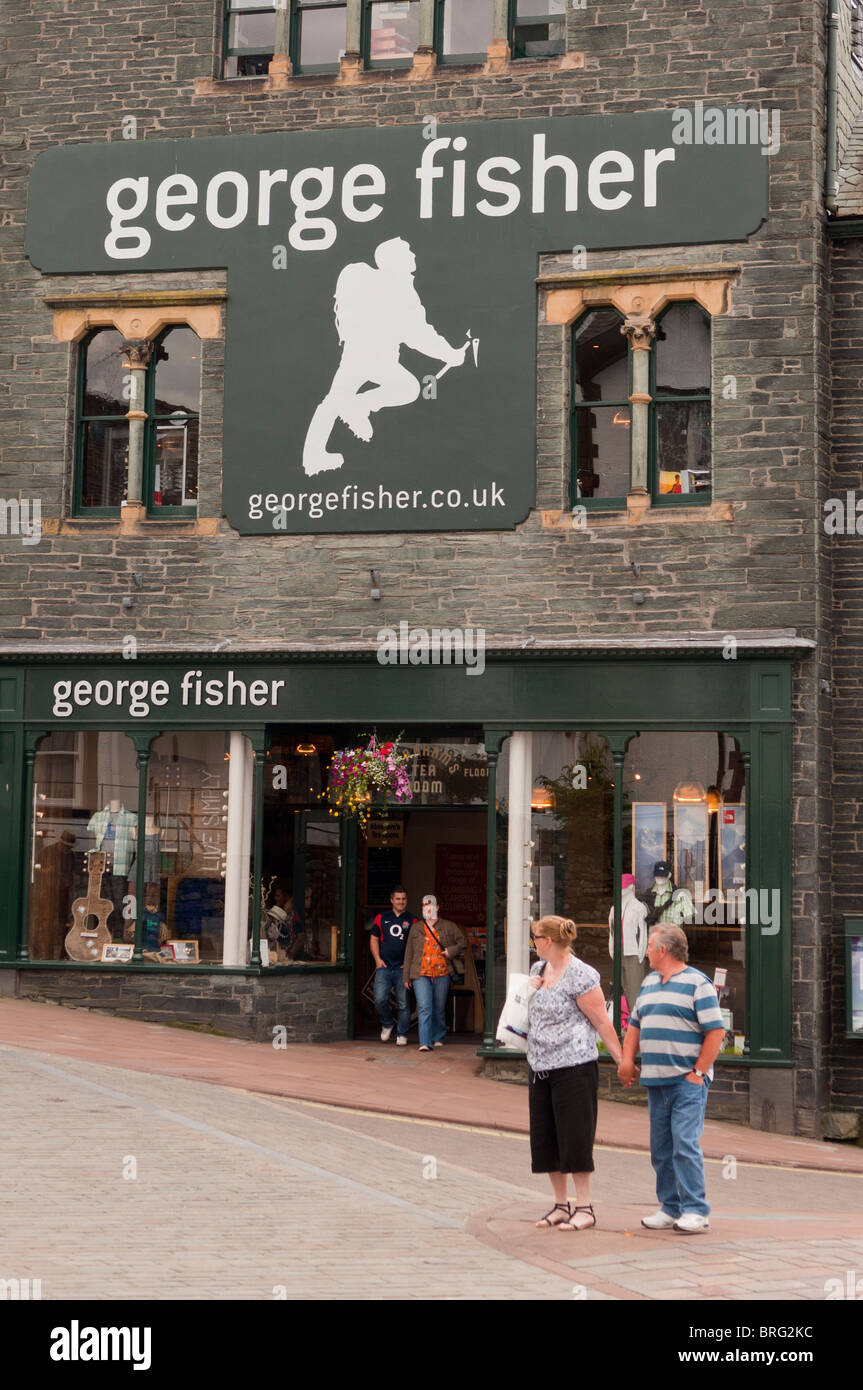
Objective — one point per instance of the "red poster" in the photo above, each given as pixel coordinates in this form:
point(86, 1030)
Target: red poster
point(460, 883)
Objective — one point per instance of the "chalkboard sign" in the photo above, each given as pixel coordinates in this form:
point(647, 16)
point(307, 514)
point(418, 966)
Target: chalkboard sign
point(383, 872)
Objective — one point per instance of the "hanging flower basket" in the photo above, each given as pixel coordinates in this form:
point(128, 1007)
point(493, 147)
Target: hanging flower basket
point(359, 777)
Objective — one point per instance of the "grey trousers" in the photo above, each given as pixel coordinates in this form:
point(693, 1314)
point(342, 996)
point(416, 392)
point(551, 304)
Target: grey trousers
point(631, 976)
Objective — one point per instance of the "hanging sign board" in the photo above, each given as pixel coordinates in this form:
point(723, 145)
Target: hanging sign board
point(380, 369)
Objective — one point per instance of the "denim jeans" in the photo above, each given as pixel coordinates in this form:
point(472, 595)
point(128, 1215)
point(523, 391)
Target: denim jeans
point(431, 996)
point(389, 978)
point(676, 1121)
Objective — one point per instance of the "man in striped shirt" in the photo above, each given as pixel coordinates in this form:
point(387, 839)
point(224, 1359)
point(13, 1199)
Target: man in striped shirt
point(678, 1024)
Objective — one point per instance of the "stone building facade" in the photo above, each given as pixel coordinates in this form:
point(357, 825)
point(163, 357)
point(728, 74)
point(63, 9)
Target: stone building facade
point(636, 585)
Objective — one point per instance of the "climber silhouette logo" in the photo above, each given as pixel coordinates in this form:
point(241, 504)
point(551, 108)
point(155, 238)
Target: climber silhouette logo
point(377, 312)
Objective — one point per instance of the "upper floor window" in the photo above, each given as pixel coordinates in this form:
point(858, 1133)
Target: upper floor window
point(318, 35)
point(641, 406)
point(391, 32)
point(680, 403)
point(250, 36)
point(172, 402)
point(464, 32)
point(538, 28)
point(857, 32)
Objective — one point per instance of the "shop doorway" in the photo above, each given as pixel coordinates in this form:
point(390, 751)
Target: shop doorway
point(440, 850)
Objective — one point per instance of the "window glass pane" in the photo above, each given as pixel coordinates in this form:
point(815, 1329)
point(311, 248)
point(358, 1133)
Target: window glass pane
point(103, 374)
point(185, 844)
point(175, 482)
point(602, 451)
point(178, 372)
point(301, 882)
point(533, 38)
point(395, 29)
point(533, 9)
point(467, 28)
point(322, 37)
point(572, 828)
point(252, 31)
point(601, 361)
point(682, 351)
point(251, 66)
point(683, 446)
point(83, 829)
point(104, 460)
point(684, 798)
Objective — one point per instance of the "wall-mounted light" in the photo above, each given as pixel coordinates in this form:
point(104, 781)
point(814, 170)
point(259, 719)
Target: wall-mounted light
point(306, 749)
point(619, 418)
point(542, 799)
point(689, 793)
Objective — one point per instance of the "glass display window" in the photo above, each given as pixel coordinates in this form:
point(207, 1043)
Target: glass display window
point(83, 844)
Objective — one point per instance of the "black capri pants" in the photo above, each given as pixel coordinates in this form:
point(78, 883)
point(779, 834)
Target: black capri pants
point(563, 1111)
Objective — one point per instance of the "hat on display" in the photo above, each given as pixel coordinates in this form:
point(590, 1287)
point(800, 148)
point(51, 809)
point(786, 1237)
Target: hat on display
point(627, 881)
point(278, 913)
point(662, 869)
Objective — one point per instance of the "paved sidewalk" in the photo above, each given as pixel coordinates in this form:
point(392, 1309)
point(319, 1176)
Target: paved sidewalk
point(371, 1076)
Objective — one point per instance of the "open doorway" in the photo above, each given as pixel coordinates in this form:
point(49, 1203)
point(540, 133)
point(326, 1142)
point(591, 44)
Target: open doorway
point(428, 850)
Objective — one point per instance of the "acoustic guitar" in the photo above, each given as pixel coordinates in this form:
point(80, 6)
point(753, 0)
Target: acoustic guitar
point(84, 941)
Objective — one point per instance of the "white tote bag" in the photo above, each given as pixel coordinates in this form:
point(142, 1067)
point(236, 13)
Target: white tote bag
point(512, 1027)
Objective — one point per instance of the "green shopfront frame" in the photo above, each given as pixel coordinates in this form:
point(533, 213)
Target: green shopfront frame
point(616, 696)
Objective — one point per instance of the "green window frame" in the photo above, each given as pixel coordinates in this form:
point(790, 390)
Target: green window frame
point(519, 23)
point(576, 406)
point(82, 422)
point(704, 496)
point(853, 961)
point(369, 6)
point(162, 420)
point(480, 56)
point(299, 8)
point(260, 57)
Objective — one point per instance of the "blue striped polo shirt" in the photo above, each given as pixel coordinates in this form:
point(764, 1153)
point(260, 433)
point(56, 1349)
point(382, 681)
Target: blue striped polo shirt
point(673, 1018)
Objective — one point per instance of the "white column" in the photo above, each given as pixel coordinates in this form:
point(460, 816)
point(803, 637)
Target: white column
point(518, 908)
point(236, 867)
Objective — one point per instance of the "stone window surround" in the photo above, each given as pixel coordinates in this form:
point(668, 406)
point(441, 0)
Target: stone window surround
point(140, 316)
point(352, 67)
point(639, 296)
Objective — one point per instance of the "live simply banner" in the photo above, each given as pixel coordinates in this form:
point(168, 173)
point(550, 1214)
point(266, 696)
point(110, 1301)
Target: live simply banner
point(381, 317)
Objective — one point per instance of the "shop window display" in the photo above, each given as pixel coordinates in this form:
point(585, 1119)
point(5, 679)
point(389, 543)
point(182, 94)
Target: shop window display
point(83, 844)
point(185, 847)
point(684, 845)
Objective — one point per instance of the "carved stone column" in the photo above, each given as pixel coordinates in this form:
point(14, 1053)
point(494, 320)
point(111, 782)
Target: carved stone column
point(137, 352)
point(640, 330)
point(281, 66)
point(499, 51)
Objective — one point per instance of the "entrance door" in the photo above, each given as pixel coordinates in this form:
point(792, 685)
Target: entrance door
point(428, 850)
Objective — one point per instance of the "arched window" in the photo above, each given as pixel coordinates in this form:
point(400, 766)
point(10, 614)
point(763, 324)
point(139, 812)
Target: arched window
point(601, 416)
point(173, 397)
point(679, 462)
point(102, 436)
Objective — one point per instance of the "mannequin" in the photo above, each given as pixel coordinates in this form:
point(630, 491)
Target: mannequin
point(665, 902)
point(114, 830)
point(633, 935)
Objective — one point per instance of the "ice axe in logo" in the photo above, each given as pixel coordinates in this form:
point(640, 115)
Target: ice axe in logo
point(468, 343)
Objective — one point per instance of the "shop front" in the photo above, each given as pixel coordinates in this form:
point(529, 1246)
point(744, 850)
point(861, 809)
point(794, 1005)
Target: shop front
point(198, 789)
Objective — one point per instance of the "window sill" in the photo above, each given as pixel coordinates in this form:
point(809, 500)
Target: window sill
point(639, 512)
point(425, 64)
point(133, 521)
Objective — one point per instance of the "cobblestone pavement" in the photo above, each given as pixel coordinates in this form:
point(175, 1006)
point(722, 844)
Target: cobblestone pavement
point(129, 1185)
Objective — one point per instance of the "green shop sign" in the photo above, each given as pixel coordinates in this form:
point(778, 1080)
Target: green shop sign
point(381, 319)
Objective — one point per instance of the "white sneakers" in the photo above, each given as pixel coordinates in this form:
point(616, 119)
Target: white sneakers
point(689, 1223)
point(401, 1042)
point(386, 1033)
point(659, 1221)
point(439, 1044)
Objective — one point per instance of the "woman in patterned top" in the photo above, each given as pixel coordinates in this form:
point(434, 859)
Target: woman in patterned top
point(565, 1013)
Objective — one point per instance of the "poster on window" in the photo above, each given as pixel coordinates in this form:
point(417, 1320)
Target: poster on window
point(648, 841)
point(381, 313)
point(690, 845)
point(732, 848)
point(856, 984)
